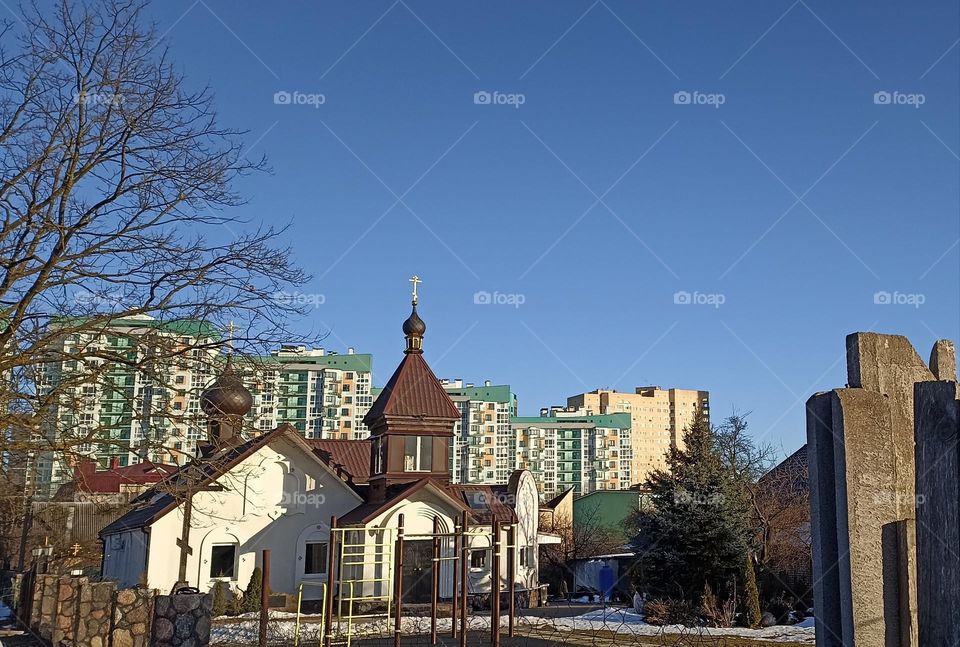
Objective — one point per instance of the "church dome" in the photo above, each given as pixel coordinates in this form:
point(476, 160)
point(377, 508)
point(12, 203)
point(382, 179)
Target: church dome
point(227, 396)
point(414, 325)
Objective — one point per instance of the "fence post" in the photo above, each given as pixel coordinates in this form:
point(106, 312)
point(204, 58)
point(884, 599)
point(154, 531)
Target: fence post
point(328, 595)
point(512, 573)
point(264, 597)
point(495, 585)
point(455, 562)
point(464, 578)
point(398, 581)
point(435, 576)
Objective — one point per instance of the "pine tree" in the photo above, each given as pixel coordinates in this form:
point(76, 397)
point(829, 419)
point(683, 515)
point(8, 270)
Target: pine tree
point(695, 533)
point(751, 611)
point(251, 597)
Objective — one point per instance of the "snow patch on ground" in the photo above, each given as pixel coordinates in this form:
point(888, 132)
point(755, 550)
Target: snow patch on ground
point(628, 621)
point(243, 629)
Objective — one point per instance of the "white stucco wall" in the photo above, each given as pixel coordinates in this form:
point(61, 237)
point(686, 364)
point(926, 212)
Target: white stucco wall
point(279, 498)
point(419, 511)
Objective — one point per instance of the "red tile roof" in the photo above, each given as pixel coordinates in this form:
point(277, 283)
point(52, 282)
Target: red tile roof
point(348, 458)
point(413, 391)
point(88, 478)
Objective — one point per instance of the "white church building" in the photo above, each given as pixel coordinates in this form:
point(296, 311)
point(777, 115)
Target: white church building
point(209, 521)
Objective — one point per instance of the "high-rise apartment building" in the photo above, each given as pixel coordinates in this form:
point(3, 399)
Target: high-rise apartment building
point(143, 405)
point(118, 412)
point(322, 393)
point(483, 448)
point(565, 449)
point(658, 418)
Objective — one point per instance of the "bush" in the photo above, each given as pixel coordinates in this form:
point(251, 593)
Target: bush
point(716, 613)
point(780, 609)
point(253, 592)
point(220, 600)
point(235, 604)
point(668, 611)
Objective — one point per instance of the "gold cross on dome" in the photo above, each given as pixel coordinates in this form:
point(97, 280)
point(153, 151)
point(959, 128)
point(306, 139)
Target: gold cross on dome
point(230, 330)
point(415, 280)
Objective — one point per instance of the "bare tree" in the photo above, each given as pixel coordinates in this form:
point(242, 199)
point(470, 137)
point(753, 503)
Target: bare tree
point(116, 205)
point(746, 460)
point(783, 505)
point(581, 537)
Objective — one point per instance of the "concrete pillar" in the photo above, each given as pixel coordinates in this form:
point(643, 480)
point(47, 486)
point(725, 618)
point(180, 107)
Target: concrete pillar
point(862, 495)
point(937, 413)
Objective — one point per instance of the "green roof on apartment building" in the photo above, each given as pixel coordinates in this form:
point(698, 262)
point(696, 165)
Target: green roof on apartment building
point(610, 420)
point(362, 363)
point(495, 393)
point(192, 327)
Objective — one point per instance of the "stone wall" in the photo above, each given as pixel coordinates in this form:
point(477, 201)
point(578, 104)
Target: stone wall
point(94, 614)
point(182, 620)
point(132, 614)
point(74, 612)
point(45, 605)
point(67, 609)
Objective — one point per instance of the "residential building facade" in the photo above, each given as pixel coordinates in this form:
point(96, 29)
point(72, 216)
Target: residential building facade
point(483, 449)
point(658, 418)
point(584, 452)
point(127, 410)
point(131, 411)
point(323, 394)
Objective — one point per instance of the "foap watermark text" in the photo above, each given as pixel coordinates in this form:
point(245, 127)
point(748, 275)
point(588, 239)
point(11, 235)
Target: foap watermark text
point(697, 98)
point(897, 98)
point(895, 298)
point(497, 98)
point(300, 298)
point(684, 298)
point(297, 98)
point(495, 298)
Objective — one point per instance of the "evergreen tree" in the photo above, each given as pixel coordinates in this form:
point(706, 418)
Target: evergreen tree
point(219, 599)
point(251, 597)
point(234, 604)
point(695, 533)
point(751, 611)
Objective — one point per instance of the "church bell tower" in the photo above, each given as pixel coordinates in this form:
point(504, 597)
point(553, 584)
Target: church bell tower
point(411, 422)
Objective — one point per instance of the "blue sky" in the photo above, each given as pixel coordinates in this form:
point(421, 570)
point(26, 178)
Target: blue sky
point(782, 196)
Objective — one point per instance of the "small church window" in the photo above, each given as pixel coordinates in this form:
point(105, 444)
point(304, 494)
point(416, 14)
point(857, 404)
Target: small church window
point(222, 560)
point(418, 454)
point(315, 560)
point(379, 451)
point(478, 558)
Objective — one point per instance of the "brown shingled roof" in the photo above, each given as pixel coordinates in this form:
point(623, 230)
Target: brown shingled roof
point(350, 459)
point(413, 391)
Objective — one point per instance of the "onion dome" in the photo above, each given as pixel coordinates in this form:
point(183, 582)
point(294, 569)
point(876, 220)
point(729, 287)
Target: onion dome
point(227, 396)
point(413, 329)
point(414, 324)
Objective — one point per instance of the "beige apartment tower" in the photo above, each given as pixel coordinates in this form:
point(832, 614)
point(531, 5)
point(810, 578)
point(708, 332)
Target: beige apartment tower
point(657, 418)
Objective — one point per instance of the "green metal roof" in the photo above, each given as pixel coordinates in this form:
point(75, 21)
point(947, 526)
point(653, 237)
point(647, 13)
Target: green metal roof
point(495, 393)
point(362, 363)
point(610, 420)
point(193, 327)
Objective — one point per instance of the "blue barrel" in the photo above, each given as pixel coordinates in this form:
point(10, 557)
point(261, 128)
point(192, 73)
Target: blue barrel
point(606, 581)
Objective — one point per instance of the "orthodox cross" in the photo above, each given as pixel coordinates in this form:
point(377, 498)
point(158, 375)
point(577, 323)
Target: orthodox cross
point(230, 330)
point(415, 280)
